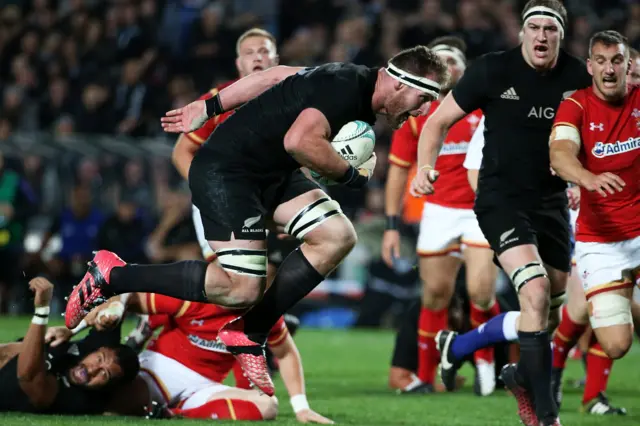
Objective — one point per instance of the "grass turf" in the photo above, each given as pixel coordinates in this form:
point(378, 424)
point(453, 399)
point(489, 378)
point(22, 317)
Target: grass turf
point(346, 373)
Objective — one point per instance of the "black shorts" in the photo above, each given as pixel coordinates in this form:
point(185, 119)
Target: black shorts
point(506, 226)
point(234, 202)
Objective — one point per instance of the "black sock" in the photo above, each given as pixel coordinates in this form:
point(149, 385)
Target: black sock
point(182, 280)
point(534, 370)
point(294, 280)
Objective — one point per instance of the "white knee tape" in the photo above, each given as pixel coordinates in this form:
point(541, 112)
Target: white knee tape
point(312, 216)
point(526, 273)
point(243, 261)
point(557, 300)
point(609, 309)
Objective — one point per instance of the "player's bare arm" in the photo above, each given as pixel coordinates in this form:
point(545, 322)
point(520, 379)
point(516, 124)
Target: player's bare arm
point(563, 154)
point(430, 143)
point(40, 387)
point(182, 155)
point(192, 116)
point(307, 141)
point(393, 194)
point(292, 374)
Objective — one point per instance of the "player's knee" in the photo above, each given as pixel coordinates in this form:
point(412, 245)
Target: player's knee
point(336, 237)
point(481, 296)
point(535, 297)
point(247, 271)
point(268, 406)
point(611, 318)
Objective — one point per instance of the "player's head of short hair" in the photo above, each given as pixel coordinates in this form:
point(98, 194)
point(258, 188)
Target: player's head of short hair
point(609, 38)
point(254, 32)
point(128, 361)
point(421, 61)
point(633, 54)
point(452, 41)
point(555, 5)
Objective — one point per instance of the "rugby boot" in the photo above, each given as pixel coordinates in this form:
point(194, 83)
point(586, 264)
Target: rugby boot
point(601, 406)
point(449, 366)
point(526, 410)
point(485, 378)
point(249, 354)
point(93, 288)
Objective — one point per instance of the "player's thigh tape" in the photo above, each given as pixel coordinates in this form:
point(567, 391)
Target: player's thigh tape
point(609, 309)
point(311, 216)
point(243, 261)
point(526, 273)
point(557, 300)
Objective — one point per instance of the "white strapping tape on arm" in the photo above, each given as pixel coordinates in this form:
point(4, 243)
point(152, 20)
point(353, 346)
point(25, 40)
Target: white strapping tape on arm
point(564, 132)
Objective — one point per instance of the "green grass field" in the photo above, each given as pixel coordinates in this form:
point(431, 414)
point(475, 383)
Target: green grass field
point(346, 373)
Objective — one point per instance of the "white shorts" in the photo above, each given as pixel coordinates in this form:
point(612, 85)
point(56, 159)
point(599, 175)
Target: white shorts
point(207, 251)
point(170, 381)
point(445, 230)
point(600, 264)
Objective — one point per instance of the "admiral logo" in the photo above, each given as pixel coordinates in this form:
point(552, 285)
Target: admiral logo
point(601, 150)
point(454, 148)
point(207, 345)
point(347, 154)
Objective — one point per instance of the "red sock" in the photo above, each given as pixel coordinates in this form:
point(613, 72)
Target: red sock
point(428, 357)
point(241, 380)
point(478, 317)
point(235, 409)
point(598, 369)
point(158, 320)
point(565, 337)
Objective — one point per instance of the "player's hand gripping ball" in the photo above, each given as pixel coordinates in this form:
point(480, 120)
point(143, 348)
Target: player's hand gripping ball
point(355, 143)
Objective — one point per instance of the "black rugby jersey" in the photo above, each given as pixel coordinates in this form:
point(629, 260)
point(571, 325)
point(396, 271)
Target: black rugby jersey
point(252, 139)
point(519, 104)
point(70, 399)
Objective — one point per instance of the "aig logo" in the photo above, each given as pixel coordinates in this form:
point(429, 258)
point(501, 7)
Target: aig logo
point(540, 112)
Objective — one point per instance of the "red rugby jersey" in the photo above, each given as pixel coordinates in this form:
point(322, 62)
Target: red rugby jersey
point(200, 135)
point(610, 136)
point(452, 188)
point(190, 337)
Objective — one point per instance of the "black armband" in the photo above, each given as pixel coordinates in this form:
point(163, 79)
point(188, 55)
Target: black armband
point(392, 223)
point(353, 179)
point(214, 106)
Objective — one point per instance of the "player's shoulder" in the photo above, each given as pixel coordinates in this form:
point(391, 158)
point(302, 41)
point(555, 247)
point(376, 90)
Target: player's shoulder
point(578, 96)
point(339, 71)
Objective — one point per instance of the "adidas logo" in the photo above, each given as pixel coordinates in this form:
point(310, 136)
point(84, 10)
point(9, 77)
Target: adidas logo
point(348, 154)
point(510, 93)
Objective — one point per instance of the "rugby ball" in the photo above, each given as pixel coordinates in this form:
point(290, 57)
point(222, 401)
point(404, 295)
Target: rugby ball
point(355, 143)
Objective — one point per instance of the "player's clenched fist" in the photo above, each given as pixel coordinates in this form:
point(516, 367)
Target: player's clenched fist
point(603, 183)
point(422, 183)
point(186, 119)
point(43, 290)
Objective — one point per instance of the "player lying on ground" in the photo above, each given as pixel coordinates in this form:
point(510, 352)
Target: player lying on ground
point(521, 207)
point(242, 176)
point(43, 374)
point(449, 230)
point(184, 366)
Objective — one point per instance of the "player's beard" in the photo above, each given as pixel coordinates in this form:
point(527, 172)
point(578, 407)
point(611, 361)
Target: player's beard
point(397, 114)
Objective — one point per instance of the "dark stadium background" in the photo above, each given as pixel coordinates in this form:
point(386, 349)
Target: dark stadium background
point(84, 82)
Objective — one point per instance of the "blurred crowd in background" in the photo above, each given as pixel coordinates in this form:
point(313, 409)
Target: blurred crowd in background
point(83, 83)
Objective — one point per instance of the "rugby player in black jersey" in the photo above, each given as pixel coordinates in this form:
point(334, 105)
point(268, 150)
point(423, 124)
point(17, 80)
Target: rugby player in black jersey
point(242, 176)
point(44, 373)
point(521, 206)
